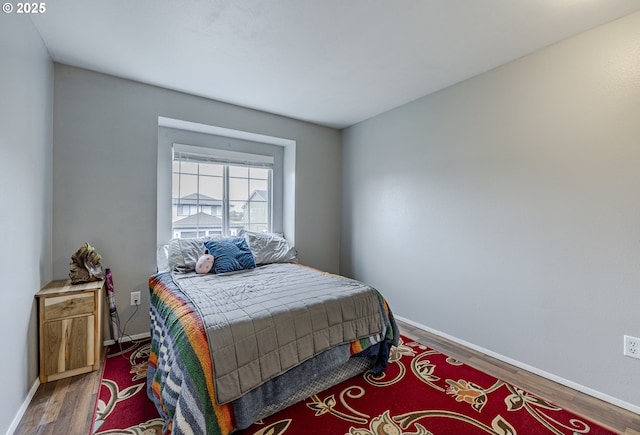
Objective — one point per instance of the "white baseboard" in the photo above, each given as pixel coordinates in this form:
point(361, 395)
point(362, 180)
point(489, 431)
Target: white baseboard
point(567, 383)
point(23, 407)
point(127, 338)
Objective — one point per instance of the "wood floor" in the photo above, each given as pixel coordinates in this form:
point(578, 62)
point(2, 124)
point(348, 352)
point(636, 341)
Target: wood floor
point(66, 406)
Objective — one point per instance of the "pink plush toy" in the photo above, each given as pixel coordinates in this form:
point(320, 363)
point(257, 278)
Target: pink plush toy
point(205, 263)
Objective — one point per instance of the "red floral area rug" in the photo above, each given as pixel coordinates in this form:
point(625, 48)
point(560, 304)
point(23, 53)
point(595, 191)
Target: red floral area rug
point(122, 406)
point(423, 392)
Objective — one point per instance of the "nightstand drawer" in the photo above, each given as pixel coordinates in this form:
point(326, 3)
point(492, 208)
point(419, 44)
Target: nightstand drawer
point(68, 305)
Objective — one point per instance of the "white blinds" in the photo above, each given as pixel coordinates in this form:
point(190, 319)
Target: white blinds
point(212, 155)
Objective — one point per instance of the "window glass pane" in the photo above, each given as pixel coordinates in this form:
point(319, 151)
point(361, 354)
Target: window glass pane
point(188, 168)
point(212, 188)
point(238, 189)
point(211, 169)
point(261, 173)
point(188, 185)
point(257, 213)
point(238, 171)
point(175, 187)
point(259, 187)
point(236, 212)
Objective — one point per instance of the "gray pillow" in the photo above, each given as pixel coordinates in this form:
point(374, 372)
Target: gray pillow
point(270, 248)
point(183, 254)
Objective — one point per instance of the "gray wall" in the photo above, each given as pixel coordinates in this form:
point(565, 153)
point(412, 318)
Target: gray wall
point(26, 128)
point(104, 175)
point(505, 212)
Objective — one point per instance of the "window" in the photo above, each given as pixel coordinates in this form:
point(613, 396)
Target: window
point(183, 210)
point(233, 148)
point(218, 192)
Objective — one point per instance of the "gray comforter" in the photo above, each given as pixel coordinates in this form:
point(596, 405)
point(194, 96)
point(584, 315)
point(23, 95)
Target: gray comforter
point(248, 317)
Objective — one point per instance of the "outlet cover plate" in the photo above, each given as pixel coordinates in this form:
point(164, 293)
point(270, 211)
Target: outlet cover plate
point(135, 298)
point(632, 346)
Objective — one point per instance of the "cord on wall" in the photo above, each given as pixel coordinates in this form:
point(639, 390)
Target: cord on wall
point(123, 330)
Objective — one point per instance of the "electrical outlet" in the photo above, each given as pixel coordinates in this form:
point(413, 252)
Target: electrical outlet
point(135, 298)
point(632, 346)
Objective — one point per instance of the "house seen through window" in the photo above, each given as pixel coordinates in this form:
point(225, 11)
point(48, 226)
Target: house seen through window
point(214, 195)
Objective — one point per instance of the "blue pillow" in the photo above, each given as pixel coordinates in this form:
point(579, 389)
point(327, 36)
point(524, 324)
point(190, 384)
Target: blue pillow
point(230, 255)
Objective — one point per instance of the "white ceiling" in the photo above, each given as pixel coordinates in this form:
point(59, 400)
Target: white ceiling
point(331, 62)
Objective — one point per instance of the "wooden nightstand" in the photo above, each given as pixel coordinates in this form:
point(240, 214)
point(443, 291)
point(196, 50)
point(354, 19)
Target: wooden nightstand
point(70, 328)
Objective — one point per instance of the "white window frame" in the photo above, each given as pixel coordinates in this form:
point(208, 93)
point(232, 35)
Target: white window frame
point(171, 130)
point(204, 155)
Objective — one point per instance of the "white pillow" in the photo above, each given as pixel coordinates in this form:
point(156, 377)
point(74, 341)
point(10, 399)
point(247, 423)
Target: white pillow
point(162, 258)
point(270, 248)
point(183, 254)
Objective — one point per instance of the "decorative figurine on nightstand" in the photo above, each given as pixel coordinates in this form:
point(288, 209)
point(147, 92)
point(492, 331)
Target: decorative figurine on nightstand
point(85, 265)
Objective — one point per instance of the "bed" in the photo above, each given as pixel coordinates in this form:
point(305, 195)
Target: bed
point(235, 346)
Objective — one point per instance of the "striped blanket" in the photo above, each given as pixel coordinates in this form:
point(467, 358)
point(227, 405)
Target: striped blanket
point(180, 376)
